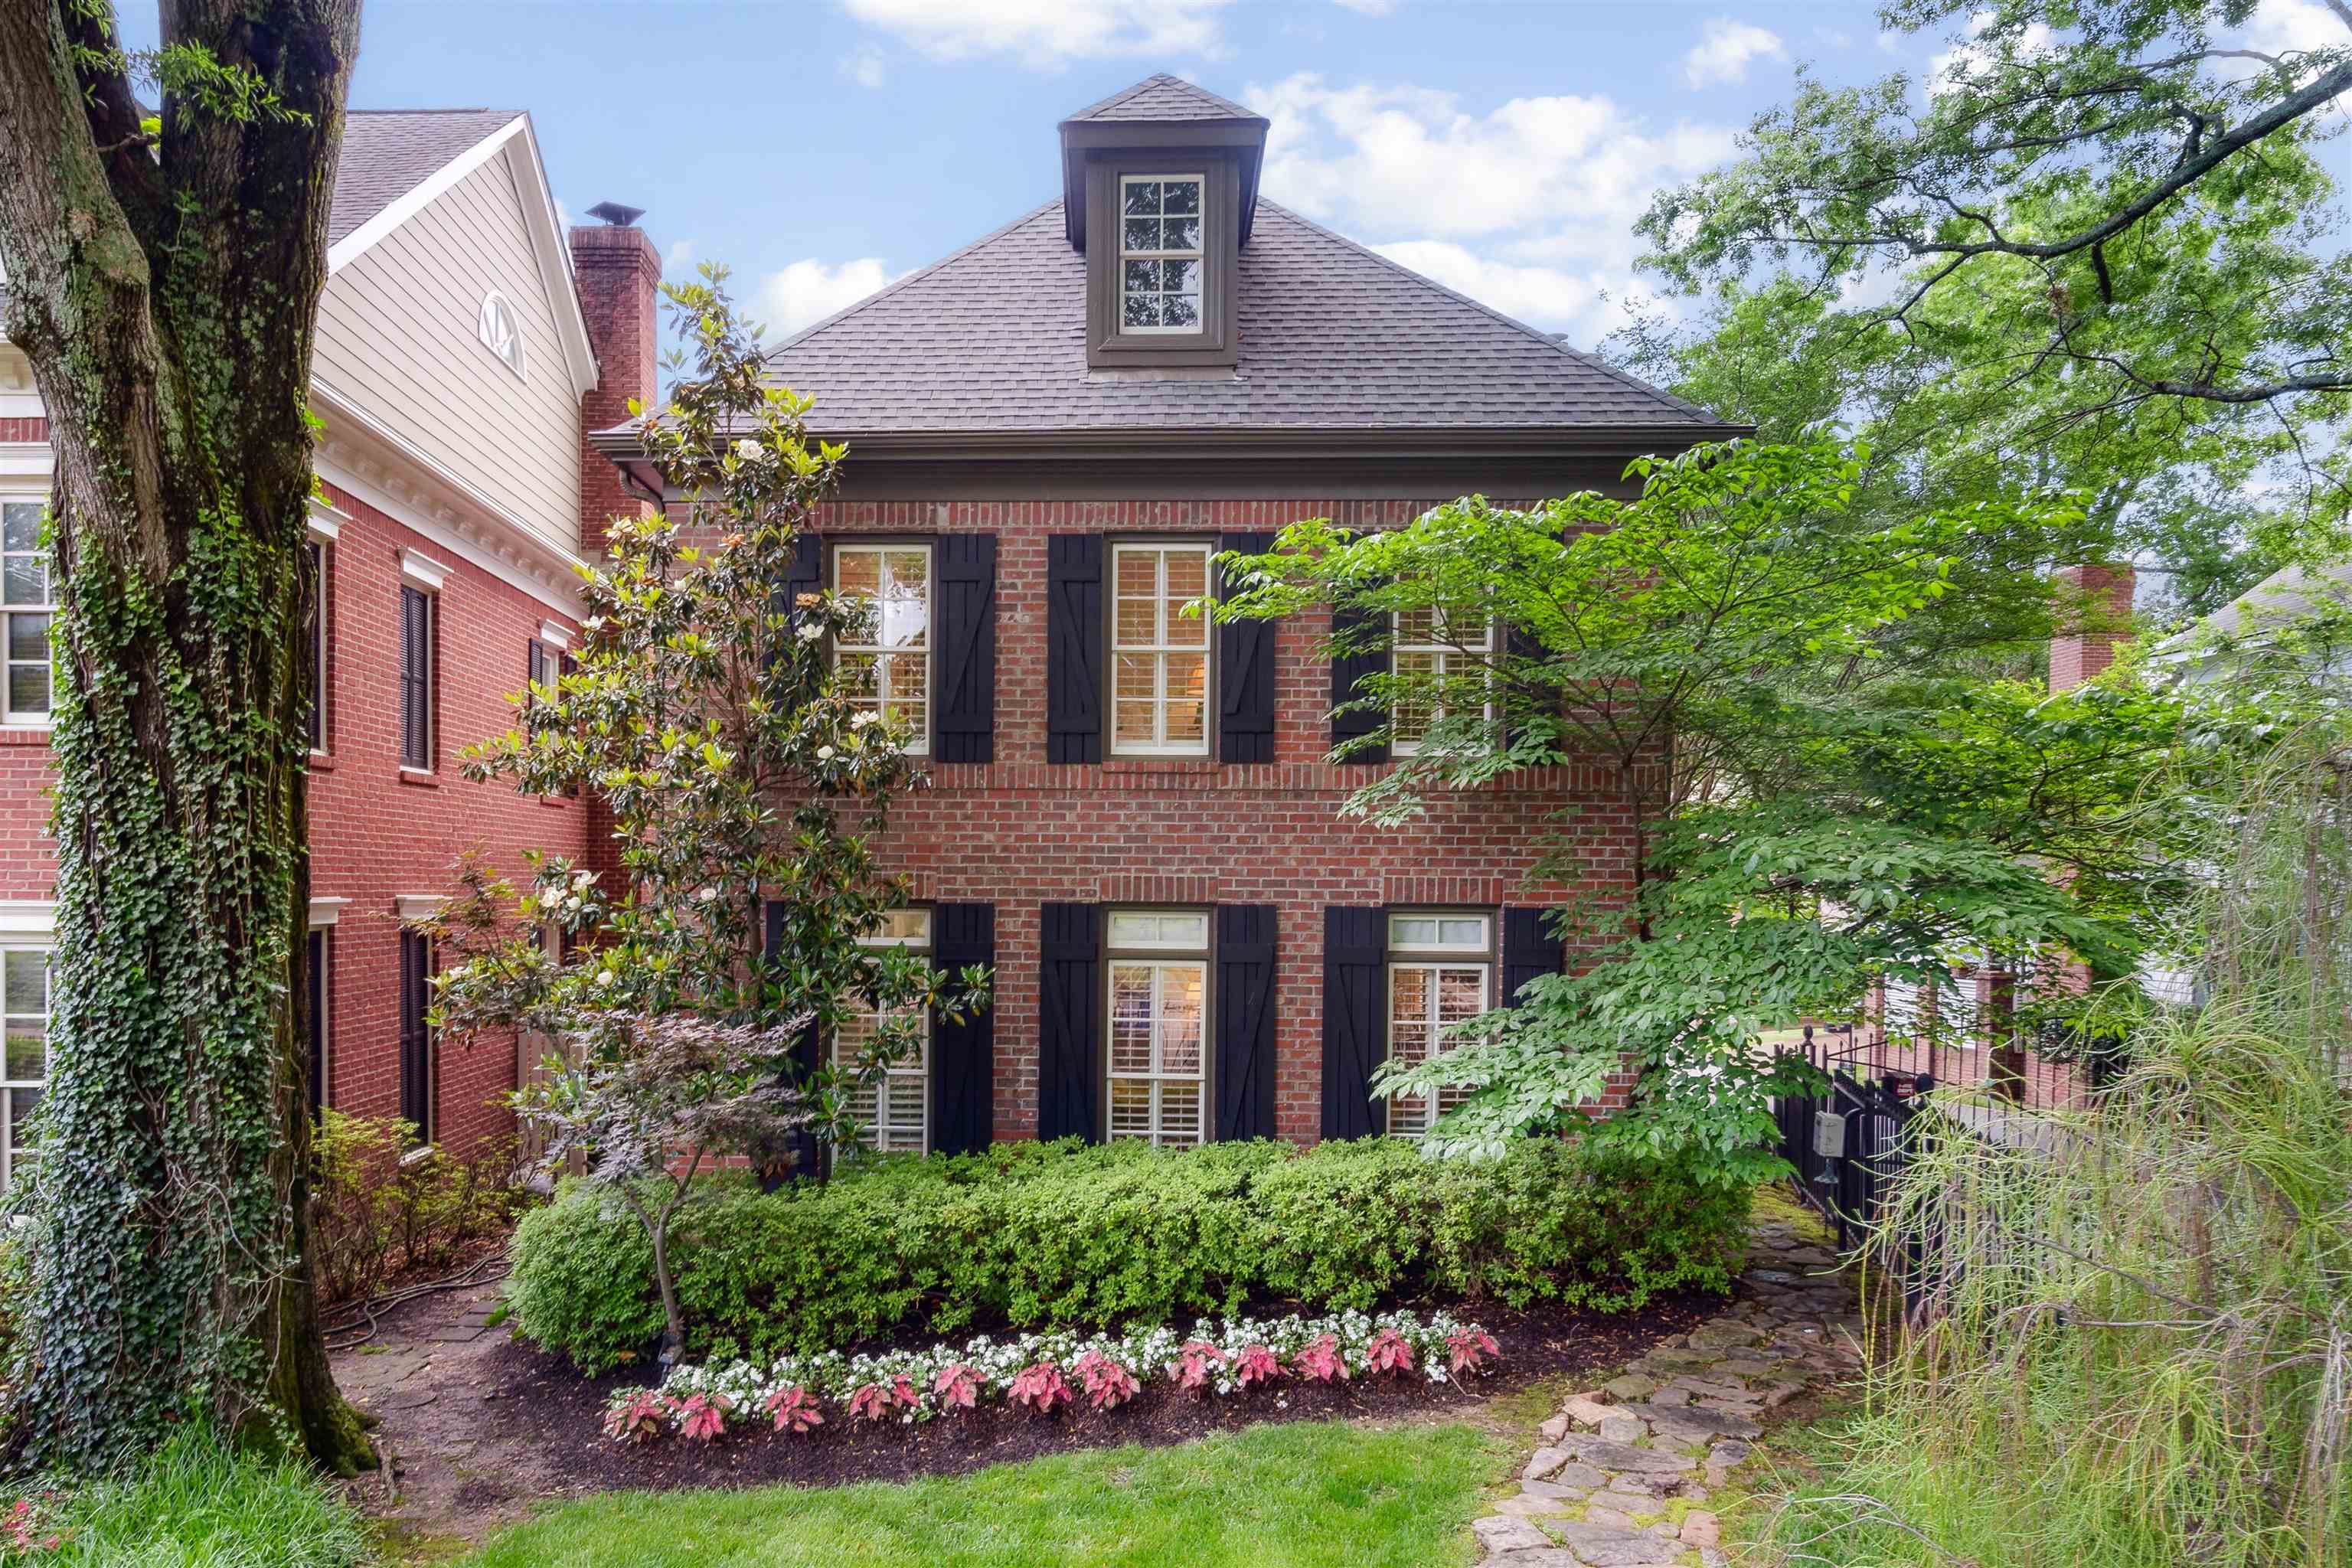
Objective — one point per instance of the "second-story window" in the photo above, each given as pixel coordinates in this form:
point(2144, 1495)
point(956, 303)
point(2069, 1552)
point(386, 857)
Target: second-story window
point(1160, 657)
point(416, 607)
point(885, 655)
point(1159, 256)
point(1444, 658)
point(315, 633)
point(25, 603)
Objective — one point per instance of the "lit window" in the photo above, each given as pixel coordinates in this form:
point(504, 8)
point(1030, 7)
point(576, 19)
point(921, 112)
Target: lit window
point(1160, 657)
point(1432, 654)
point(502, 334)
point(24, 997)
point(1160, 257)
point(1158, 1077)
point(884, 656)
point(1440, 970)
point(24, 601)
point(894, 1114)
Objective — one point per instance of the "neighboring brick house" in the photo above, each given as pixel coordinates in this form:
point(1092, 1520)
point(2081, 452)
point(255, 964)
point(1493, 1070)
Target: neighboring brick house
point(1130, 815)
point(454, 365)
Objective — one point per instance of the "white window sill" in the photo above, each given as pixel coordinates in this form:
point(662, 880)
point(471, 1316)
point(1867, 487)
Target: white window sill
point(419, 1155)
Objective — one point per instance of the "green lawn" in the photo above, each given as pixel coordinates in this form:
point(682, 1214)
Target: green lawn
point(1272, 1497)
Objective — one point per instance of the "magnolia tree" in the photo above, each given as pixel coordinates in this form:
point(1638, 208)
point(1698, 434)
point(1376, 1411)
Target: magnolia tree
point(1796, 832)
point(746, 776)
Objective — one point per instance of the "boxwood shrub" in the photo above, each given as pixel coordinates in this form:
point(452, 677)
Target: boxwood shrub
point(1065, 1235)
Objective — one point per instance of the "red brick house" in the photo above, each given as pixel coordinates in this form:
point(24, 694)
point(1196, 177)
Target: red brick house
point(1129, 814)
point(456, 359)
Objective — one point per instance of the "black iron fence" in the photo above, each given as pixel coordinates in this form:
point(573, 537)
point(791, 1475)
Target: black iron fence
point(1850, 1142)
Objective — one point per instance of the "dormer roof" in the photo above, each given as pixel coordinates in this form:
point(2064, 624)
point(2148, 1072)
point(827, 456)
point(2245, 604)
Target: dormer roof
point(1161, 112)
point(1162, 98)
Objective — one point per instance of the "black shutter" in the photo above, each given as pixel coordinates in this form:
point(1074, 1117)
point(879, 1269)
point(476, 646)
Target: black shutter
point(807, 1050)
point(1244, 1066)
point(803, 573)
point(966, 575)
point(1348, 669)
point(1518, 646)
point(535, 672)
point(416, 1038)
point(963, 1055)
point(1074, 647)
point(1355, 1020)
point(1529, 951)
point(1069, 1021)
point(416, 678)
point(1245, 675)
point(315, 995)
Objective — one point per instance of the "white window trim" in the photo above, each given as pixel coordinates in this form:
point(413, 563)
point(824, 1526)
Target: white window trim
point(412, 575)
point(1445, 653)
point(1158, 650)
point(326, 520)
point(1119, 280)
point(518, 360)
point(28, 942)
point(325, 932)
point(424, 570)
point(321, 637)
point(9, 718)
point(327, 913)
point(1432, 958)
point(919, 744)
point(1162, 959)
point(418, 906)
point(917, 1070)
point(555, 635)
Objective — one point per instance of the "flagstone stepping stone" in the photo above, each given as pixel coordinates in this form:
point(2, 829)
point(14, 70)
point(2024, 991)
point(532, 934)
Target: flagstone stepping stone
point(1501, 1532)
point(1527, 1507)
point(1616, 1518)
point(1632, 1461)
point(1580, 1478)
point(1584, 1410)
point(1700, 1529)
point(1632, 1386)
point(1692, 1426)
point(1670, 1395)
point(1624, 1429)
point(1726, 1455)
point(1554, 1489)
point(1623, 1502)
point(1722, 1335)
point(1604, 1546)
point(1534, 1557)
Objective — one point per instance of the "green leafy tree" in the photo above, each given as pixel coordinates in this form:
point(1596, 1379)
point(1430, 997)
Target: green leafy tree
point(162, 276)
point(744, 775)
point(1797, 831)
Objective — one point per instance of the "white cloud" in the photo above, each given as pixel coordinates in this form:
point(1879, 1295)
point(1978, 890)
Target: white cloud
point(1047, 35)
point(1542, 295)
point(809, 291)
point(678, 255)
point(1726, 48)
point(2279, 25)
point(864, 67)
point(1367, 7)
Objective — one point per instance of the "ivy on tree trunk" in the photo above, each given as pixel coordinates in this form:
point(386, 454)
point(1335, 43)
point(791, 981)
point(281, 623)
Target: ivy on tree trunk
point(162, 276)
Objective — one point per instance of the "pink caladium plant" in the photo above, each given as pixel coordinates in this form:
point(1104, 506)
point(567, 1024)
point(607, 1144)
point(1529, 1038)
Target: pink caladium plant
point(1257, 1364)
point(701, 1417)
point(794, 1409)
point(635, 1417)
point(1195, 1361)
point(1322, 1360)
point(1039, 1388)
point(1108, 1385)
point(957, 1387)
point(1388, 1352)
point(22, 1531)
point(1466, 1349)
point(877, 1400)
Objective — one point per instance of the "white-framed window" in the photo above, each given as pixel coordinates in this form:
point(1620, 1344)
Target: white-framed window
point(1436, 651)
point(1160, 260)
point(25, 1008)
point(501, 331)
point(1441, 971)
point(25, 604)
point(316, 563)
point(1160, 656)
point(1157, 1074)
point(884, 655)
point(895, 1114)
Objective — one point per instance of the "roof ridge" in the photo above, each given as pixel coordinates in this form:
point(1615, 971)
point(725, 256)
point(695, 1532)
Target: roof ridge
point(1538, 333)
point(480, 110)
point(1233, 110)
point(920, 273)
point(1121, 96)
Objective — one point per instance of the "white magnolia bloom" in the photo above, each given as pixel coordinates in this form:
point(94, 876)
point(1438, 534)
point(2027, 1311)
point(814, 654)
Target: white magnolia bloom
point(604, 977)
point(862, 717)
point(810, 631)
point(707, 894)
point(824, 754)
point(747, 450)
point(581, 878)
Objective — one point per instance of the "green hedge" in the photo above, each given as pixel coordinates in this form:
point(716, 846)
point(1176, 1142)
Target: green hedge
point(1069, 1236)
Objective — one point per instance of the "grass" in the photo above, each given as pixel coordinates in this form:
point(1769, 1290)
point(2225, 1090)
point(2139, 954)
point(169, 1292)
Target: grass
point(1273, 1497)
point(196, 1505)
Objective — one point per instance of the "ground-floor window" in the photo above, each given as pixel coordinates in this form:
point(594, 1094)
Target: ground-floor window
point(1158, 1083)
point(320, 944)
point(894, 1113)
point(417, 1034)
point(25, 997)
point(1441, 971)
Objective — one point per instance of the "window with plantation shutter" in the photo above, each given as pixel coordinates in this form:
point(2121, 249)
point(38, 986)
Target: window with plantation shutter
point(893, 1109)
point(1157, 1078)
point(416, 737)
point(1440, 973)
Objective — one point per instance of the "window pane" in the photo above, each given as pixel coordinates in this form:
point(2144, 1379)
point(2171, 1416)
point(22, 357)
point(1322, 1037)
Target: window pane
point(1137, 620)
point(1130, 1018)
point(27, 580)
point(1181, 195)
point(20, 525)
point(1138, 234)
point(1179, 277)
point(861, 678)
point(1142, 196)
point(1181, 992)
point(1139, 311)
point(1141, 276)
point(907, 678)
point(29, 688)
point(27, 983)
point(1413, 930)
point(1179, 311)
point(22, 1103)
point(28, 1053)
point(858, 572)
point(1462, 933)
point(28, 635)
point(1187, 578)
point(1130, 1108)
point(1180, 234)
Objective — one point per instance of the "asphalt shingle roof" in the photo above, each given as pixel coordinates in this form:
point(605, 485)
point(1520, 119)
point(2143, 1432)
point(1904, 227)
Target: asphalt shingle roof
point(388, 153)
point(1332, 336)
point(1163, 98)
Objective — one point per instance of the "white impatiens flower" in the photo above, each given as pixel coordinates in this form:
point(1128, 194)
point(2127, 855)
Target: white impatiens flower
point(747, 450)
point(824, 754)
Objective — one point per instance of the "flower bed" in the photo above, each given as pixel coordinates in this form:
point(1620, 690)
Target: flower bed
point(1042, 1373)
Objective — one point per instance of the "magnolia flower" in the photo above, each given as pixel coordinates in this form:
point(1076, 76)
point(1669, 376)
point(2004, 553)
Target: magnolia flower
point(862, 717)
point(810, 631)
point(604, 977)
point(747, 450)
point(707, 894)
point(581, 878)
point(824, 754)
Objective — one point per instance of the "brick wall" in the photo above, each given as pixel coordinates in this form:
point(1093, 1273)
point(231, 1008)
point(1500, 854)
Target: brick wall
point(1020, 831)
point(32, 429)
point(616, 270)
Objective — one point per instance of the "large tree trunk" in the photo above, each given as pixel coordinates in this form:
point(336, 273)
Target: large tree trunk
point(163, 286)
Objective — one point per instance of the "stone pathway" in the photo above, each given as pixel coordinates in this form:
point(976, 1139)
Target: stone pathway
point(1625, 1470)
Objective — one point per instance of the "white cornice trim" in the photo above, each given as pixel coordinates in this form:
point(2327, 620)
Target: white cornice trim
point(555, 635)
point(327, 522)
point(418, 906)
point(27, 917)
point(326, 911)
point(357, 243)
point(424, 570)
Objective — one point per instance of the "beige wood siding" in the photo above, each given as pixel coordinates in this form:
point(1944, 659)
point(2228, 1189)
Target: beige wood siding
point(396, 337)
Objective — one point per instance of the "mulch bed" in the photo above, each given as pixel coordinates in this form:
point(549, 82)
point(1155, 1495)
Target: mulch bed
point(538, 1400)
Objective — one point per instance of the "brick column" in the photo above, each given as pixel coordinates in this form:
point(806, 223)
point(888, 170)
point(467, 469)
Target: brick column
point(2093, 615)
point(617, 269)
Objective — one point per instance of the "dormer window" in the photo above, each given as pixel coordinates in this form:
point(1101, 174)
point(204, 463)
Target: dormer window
point(1160, 257)
point(500, 331)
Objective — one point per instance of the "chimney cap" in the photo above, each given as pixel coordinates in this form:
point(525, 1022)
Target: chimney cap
point(617, 215)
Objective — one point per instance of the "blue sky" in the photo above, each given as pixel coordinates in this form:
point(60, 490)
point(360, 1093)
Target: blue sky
point(819, 149)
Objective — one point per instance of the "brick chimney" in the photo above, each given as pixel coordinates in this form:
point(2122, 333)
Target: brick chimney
point(2093, 615)
point(616, 267)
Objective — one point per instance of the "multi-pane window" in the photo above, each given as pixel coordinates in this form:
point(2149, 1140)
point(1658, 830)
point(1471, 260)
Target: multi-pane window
point(1160, 255)
point(315, 635)
point(1441, 969)
point(1158, 1078)
point(884, 655)
point(416, 608)
point(894, 1112)
point(1440, 660)
point(417, 1034)
point(25, 1001)
point(316, 993)
point(25, 602)
point(1160, 656)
